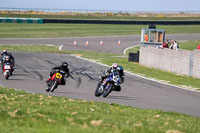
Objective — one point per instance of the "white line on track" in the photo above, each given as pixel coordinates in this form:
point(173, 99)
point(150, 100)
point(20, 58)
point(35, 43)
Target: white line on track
point(60, 47)
point(130, 73)
point(124, 51)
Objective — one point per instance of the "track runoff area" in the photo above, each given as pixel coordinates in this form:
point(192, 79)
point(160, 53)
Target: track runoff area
point(136, 91)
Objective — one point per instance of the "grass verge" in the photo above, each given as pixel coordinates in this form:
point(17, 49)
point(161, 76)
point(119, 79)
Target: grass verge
point(26, 112)
point(23, 112)
point(102, 16)
point(14, 30)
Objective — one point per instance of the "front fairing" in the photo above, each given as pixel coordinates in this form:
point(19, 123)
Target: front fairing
point(57, 77)
point(115, 77)
point(7, 66)
point(112, 78)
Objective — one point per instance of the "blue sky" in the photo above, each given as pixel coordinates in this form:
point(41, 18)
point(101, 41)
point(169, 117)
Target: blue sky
point(119, 5)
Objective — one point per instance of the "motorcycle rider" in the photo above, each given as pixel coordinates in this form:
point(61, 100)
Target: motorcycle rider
point(62, 69)
point(114, 67)
point(7, 57)
point(4, 52)
point(3, 55)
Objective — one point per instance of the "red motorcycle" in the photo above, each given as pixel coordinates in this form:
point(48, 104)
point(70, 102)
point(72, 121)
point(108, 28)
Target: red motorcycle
point(54, 81)
point(7, 70)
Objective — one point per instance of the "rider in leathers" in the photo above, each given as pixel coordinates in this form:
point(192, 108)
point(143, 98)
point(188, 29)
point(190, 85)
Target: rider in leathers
point(7, 57)
point(107, 73)
point(62, 69)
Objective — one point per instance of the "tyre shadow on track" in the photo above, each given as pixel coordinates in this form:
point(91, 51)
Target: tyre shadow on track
point(16, 79)
point(73, 93)
point(123, 97)
point(20, 74)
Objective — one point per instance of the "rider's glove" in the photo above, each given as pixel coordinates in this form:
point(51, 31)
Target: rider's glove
point(67, 75)
point(107, 73)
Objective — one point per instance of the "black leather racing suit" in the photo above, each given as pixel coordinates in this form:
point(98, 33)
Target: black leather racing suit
point(62, 70)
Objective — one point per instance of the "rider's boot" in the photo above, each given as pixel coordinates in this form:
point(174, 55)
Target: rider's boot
point(117, 88)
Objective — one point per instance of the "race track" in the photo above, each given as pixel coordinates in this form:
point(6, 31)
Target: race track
point(32, 69)
point(110, 44)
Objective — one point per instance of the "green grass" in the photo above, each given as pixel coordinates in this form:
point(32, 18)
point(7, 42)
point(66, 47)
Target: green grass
point(23, 112)
point(26, 112)
point(15, 30)
point(115, 16)
point(189, 45)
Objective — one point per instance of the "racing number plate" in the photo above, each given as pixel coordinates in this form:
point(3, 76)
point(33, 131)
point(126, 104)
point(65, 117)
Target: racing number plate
point(58, 75)
point(7, 67)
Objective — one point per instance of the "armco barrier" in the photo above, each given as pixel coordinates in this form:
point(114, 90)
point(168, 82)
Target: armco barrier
point(20, 20)
point(182, 62)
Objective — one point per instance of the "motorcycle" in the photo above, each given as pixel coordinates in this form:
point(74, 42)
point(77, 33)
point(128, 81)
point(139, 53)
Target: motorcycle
point(54, 81)
point(108, 85)
point(7, 70)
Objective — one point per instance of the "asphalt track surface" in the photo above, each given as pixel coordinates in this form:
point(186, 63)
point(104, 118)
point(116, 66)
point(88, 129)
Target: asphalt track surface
point(32, 70)
point(110, 44)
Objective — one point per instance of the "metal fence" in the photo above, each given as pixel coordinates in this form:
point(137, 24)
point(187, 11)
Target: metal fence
point(73, 12)
point(93, 11)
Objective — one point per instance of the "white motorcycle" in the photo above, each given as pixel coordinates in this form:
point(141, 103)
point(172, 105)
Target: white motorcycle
point(7, 70)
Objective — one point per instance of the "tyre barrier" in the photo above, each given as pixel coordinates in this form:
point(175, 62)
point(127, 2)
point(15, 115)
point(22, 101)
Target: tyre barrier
point(20, 20)
point(73, 21)
point(125, 22)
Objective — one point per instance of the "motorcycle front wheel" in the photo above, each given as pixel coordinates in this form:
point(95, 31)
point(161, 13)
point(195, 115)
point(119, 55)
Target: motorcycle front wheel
point(54, 86)
point(107, 91)
point(6, 75)
point(97, 92)
point(49, 84)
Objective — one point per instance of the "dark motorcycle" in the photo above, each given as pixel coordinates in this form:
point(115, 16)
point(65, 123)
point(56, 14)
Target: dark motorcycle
point(54, 81)
point(108, 85)
point(7, 70)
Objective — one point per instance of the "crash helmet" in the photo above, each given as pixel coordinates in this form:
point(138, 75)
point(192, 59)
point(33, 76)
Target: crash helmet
point(114, 66)
point(64, 65)
point(7, 58)
point(4, 51)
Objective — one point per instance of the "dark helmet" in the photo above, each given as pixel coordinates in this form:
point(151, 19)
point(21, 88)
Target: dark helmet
point(64, 65)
